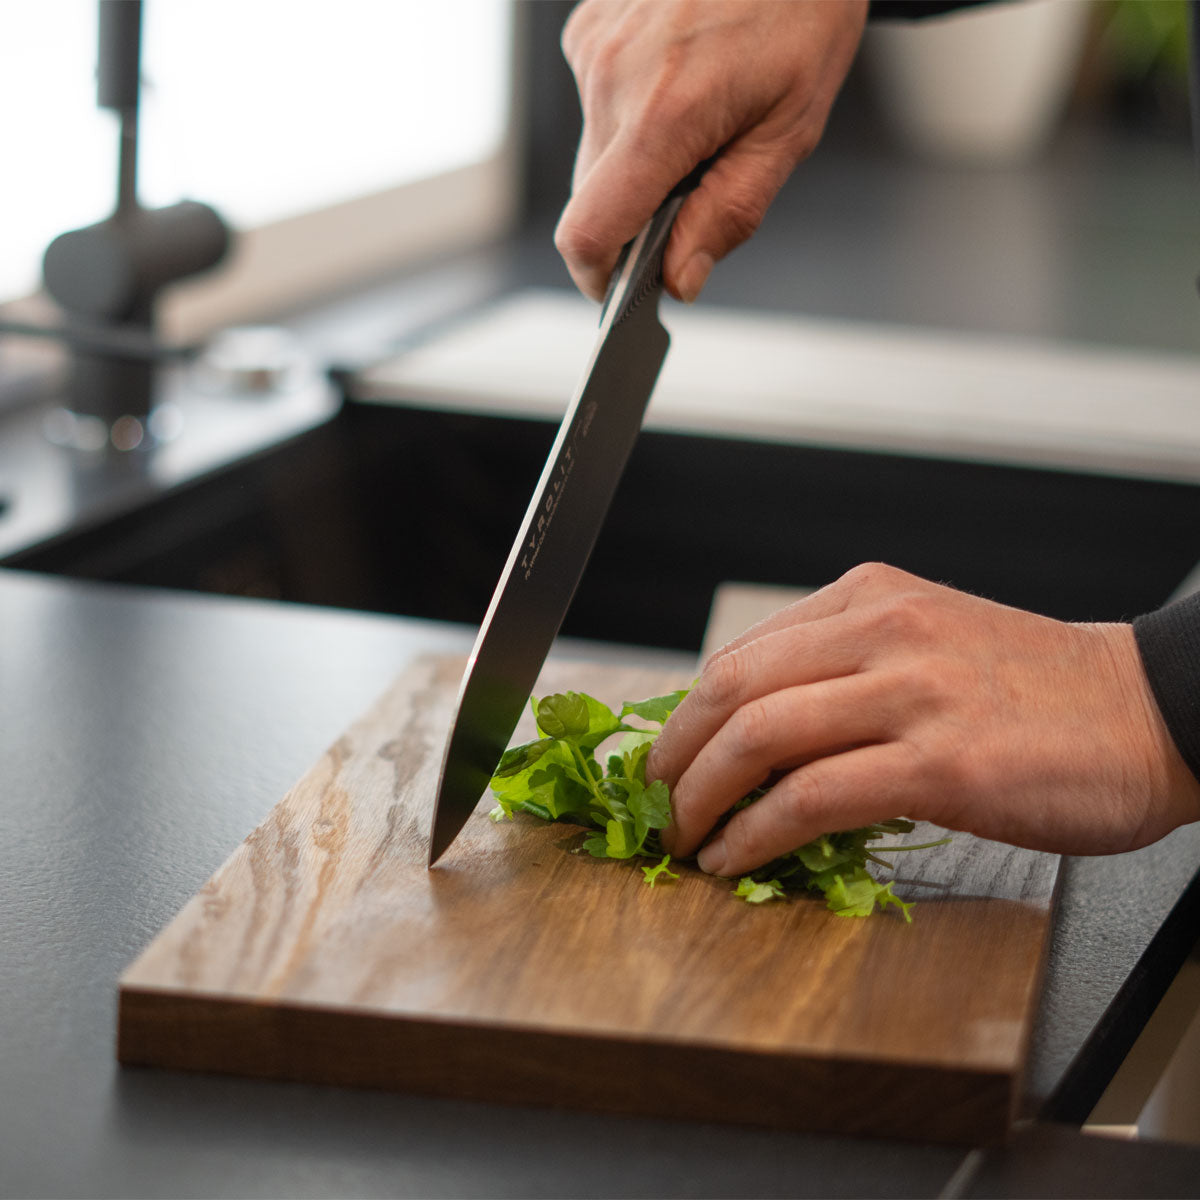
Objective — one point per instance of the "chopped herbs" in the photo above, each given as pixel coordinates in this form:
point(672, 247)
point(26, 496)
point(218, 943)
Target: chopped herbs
point(559, 777)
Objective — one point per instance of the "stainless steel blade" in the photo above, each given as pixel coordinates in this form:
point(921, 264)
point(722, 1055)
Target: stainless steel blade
point(559, 530)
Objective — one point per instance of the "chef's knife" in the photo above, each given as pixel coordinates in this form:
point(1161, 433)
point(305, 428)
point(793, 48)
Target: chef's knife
point(560, 527)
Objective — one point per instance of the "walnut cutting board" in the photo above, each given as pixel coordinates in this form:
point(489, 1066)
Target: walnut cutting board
point(324, 950)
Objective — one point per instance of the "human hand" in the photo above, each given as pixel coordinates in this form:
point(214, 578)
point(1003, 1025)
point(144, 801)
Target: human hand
point(666, 84)
point(883, 695)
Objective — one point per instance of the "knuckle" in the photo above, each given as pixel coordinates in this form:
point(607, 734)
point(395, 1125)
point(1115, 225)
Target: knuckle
point(741, 215)
point(908, 618)
point(805, 140)
point(585, 34)
point(743, 841)
point(805, 798)
point(577, 243)
point(866, 572)
point(868, 576)
point(930, 685)
point(572, 36)
point(663, 113)
point(752, 728)
point(723, 683)
point(656, 132)
point(601, 68)
point(657, 109)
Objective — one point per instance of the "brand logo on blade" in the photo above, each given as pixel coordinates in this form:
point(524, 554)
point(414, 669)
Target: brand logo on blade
point(554, 490)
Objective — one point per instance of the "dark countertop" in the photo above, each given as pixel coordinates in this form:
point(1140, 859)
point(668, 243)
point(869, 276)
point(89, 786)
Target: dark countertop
point(143, 734)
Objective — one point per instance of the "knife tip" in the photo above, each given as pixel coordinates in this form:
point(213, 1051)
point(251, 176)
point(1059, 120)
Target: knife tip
point(439, 843)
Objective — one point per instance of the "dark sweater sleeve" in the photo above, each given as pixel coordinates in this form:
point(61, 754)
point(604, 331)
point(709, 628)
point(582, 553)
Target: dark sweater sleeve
point(1169, 641)
point(909, 10)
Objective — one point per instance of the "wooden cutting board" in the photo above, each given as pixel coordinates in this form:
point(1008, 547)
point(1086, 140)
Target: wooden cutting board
point(324, 950)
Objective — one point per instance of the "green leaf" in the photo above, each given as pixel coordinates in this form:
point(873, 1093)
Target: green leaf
point(885, 896)
point(656, 708)
point(619, 811)
point(754, 892)
point(520, 758)
point(825, 854)
point(635, 746)
point(853, 895)
point(553, 782)
point(560, 788)
point(596, 844)
point(815, 855)
point(652, 806)
point(633, 806)
point(506, 808)
point(657, 804)
point(602, 724)
point(659, 871)
point(563, 715)
point(620, 839)
point(892, 825)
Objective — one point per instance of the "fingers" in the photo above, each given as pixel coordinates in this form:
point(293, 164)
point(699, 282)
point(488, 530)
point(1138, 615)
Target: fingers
point(777, 661)
point(663, 87)
point(845, 791)
point(724, 211)
point(613, 199)
point(617, 193)
point(832, 633)
point(781, 731)
point(811, 683)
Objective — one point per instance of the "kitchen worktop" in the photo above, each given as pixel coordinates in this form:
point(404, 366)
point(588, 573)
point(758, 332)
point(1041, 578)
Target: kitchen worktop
point(143, 734)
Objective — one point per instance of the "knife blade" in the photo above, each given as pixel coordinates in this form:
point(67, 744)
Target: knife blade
point(560, 526)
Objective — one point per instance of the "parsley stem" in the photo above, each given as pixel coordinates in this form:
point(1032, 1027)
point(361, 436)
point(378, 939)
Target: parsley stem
point(587, 775)
point(923, 846)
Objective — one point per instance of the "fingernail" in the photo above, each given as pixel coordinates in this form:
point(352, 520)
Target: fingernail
point(711, 858)
point(694, 275)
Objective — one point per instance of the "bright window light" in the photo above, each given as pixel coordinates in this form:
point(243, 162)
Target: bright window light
point(263, 108)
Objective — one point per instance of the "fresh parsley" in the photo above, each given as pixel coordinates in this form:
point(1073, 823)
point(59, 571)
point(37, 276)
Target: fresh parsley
point(559, 777)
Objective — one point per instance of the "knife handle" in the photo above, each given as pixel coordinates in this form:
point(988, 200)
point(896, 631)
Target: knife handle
point(645, 276)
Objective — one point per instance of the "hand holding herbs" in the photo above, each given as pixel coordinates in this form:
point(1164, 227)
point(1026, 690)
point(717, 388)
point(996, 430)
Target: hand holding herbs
point(559, 777)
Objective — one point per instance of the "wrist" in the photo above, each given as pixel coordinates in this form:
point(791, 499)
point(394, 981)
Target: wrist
point(1172, 786)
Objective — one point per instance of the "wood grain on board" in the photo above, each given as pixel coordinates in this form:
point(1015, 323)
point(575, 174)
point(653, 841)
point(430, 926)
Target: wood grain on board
point(324, 950)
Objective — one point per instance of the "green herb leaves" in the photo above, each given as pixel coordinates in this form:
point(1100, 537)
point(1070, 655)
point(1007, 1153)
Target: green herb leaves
point(755, 893)
point(559, 778)
point(659, 871)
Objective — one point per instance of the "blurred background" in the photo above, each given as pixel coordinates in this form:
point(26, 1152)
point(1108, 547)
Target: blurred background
point(965, 340)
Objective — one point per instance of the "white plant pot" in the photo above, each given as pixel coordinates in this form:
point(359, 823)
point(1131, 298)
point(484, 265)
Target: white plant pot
point(984, 85)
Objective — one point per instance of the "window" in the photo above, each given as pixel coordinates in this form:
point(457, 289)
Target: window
point(343, 137)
